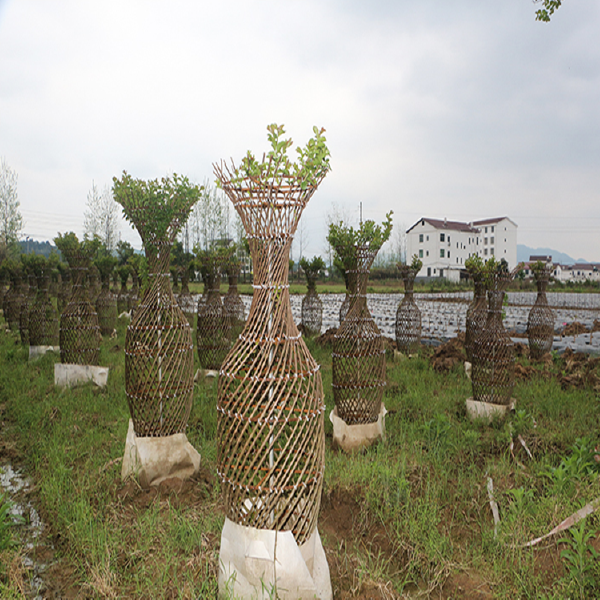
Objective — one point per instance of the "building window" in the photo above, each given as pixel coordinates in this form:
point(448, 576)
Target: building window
point(448, 253)
point(448, 239)
point(457, 260)
point(492, 240)
point(491, 252)
point(492, 229)
point(434, 271)
point(486, 229)
point(420, 253)
point(457, 244)
point(442, 237)
point(441, 272)
point(485, 241)
point(485, 251)
point(428, 271)
point(442, 251)
point(420, 238)
point(427, 238)
point(427, 252)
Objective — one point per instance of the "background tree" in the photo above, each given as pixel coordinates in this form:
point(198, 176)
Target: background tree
point(124, 252)
point(101, 217)
point(11, 221)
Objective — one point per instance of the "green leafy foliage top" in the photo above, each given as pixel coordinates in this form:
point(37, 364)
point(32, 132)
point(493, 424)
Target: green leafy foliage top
point(105, 265)
point(312, 268)
point(474, 265)
point(76, 253)
point(277, 169)
point(157, 208)
point(36, 264)
point(415, 266)
point(345, 240)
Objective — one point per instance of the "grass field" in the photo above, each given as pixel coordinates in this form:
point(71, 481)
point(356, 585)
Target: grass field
point(409, 517)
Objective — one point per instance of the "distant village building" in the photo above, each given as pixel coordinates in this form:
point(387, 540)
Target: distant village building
point(577, 273)
point(444, 245)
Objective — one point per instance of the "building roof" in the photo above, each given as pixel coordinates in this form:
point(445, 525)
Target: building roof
point(446, 225)
point(541, 257)
point(492, 221)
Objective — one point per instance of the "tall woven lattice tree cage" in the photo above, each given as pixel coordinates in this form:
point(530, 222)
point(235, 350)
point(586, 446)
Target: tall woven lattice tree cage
point(26, 309)
point(493, 367)
point(123, 295)
point(478, 308)
point(232, 301)
point(65, 289)
point(79, 329)
point(106, 302)
point(158, 347)
point(270, 430)
point(311, 314)
point(540, 323)
point(43, 317)
point(408, 315)
point(213, 325)
point(14, 297)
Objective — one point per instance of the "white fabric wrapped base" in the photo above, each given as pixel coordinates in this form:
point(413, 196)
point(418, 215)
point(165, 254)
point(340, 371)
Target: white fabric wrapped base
point(154, 459)
point(37, 351)
point(356, 437)
point(256, 563)
point(67, 375)
point(486, 411)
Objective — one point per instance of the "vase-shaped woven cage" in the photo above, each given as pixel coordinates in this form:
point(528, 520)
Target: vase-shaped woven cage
point(159, 357)
point(351, 283)
point(93, 284)
point(312, 309)
point(232, 301)
point(28, 299)
point(79, 328)
point(106, 307)
point(358, 357)
point(476, 315)
point(213, 326)
point(493, 370)
point(13, 300)
point(65, 291)
point(270, 405)
point(43, 317)
point(185, 299)
point(408, 315)
point(540, 324)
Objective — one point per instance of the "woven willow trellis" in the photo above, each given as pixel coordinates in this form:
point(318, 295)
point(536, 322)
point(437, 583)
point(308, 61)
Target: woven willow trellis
point(66, 289)
point(358, 356)
point(185, 299)
point(213, 327)
point(232, 302)
point(159, 350)
point(79, 329)
point(476, 315)
point(106, 307)
point(43, 317)
point(493, 370)
point(13, 300)
point(270, 400)
point(540, 323)
point(312, 308)
point(28, 299)
point(408, 315)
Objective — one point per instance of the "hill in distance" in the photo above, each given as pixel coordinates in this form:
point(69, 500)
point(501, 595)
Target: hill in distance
point(524, 252)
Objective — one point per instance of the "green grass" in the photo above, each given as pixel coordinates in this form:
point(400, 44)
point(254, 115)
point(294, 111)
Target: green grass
point(423, 491)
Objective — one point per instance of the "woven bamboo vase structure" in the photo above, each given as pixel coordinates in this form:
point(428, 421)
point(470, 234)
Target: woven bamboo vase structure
point(185, 299)
point(540, 323)
point(270, 431)
point(159, 356)
point(358, 356)
point(312, 308)
point(493, 370)
point(213, 326)
point(408, 315)
point(476, 315)
point(28, 300)
point(65, 289)
point(106, 307)
point(232, 302)
point(79, 328)
point(43, 317)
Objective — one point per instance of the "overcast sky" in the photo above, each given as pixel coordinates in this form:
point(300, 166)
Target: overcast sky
point(464, 109)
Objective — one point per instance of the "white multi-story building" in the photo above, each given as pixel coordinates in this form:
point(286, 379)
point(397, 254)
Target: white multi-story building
point(444, 245)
